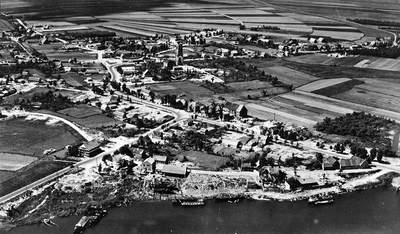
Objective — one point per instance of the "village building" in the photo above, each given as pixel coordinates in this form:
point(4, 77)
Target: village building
point(330, 163)
point(175, 171)
point(149, 165)
point(89, 149)
point(294, 183)
point(353, 163)
point(236, 109)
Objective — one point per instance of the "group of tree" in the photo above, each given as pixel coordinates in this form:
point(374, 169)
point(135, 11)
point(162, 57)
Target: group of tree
point(388, 52)
point(369, 129)
point(376, 22)
point(48, 101)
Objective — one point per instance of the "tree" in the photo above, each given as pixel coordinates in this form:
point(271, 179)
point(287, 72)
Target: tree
point(379, 155)
point(319, 157)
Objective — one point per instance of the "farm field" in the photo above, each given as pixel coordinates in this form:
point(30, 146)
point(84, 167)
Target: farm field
point(29, 174)
point(289, 76)
point(203, 160)
point(386, 64)
point(32, 137)
point(187, 88)
point(13, 162)
point(327, 71)
point(65, 56)
point(92, 121)
point(82, 111)
point(5, 25)
point(320, 84)
point(249, 85)
point(375, 93)
point(5, 175)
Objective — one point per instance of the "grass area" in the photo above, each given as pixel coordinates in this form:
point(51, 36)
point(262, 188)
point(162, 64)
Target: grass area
point(30, 174)
point(32, 137)
point(186, 88)
point(65, 56)
point(325, 71)
point(338, 88)
point(5, 175)
point(94, 121)
point(13, 162)
point(203, 160)
point(81, 111)
point(249, 85)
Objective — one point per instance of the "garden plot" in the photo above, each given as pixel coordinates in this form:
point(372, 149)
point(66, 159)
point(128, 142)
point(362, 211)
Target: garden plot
point(13, 162)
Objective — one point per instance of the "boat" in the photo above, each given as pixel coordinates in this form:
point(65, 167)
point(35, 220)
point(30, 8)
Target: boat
point(234, 201)
point(48, 222)
point(93, 216)
point(319, 198)
point(189, 202)
point(330, 201)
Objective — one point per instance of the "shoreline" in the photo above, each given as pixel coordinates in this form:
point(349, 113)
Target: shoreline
point(384, 179)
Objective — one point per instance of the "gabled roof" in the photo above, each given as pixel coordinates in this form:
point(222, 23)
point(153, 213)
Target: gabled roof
point(149, 160)
point(173, 169)
point(159, 158)
point(91, 145)
point(231, 106)
point(329, 161)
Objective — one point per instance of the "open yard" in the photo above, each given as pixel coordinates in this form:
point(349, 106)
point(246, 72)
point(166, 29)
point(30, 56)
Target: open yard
point(32, 137)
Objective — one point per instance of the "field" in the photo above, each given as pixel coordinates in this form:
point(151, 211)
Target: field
point(320, 84)
point(32, 137)
point(203, 160)
point(386, 64)
point(5, 25)
point(13, 162)
point(29, 174)
point(5, 175)
point(187, 88)
point(375, 93)
point(92, 121)
point(326, 71)
point(65, 56)
point(249, 85)
point(81, 112)
point(289, 76)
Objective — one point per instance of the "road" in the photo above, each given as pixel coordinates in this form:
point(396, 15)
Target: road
point(179, 116)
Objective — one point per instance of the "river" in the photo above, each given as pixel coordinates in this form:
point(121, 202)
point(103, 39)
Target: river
point(371, 211)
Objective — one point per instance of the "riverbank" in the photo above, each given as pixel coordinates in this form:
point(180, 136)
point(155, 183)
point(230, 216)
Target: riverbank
point(72, 194)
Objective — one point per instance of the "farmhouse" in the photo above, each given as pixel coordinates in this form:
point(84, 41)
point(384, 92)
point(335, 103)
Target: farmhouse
point(353, 163)
point(297, 182)
point(149, 165)
point(330, 163)
point(89, 149)
point(236, 109)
